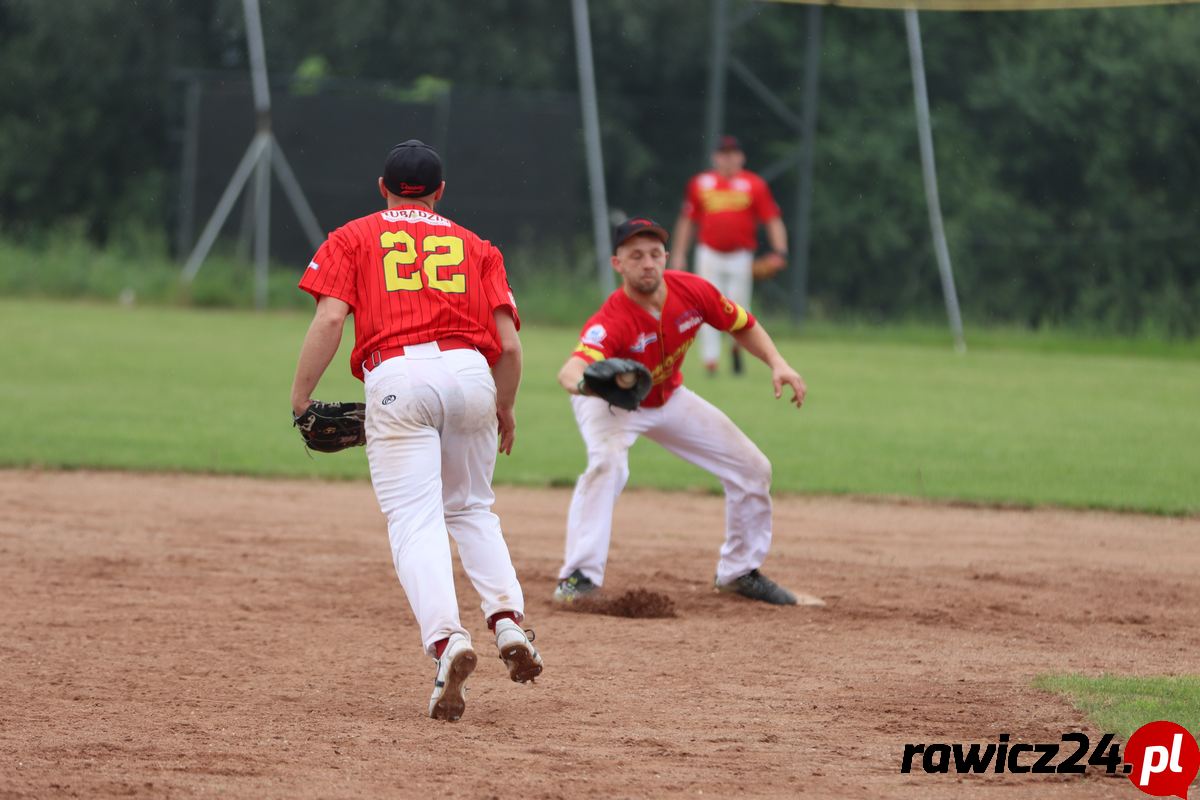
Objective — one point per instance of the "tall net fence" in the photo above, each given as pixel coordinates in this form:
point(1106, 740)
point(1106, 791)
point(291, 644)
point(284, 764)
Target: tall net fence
point(513, 161)
point(514, 164)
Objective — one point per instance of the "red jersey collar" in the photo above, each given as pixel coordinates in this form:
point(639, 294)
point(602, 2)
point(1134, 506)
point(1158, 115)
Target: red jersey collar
point(666, 298)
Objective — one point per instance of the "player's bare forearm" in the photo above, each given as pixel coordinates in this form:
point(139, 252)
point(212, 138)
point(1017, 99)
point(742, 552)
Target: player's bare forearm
point(507, 369)
point(571, 374)
point(506, 372)
point(777, 235)
point(758, 343)
point(320, 346)
point(680, 241)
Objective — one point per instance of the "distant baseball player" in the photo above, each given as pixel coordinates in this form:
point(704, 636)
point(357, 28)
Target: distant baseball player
point(652, 319)
point(725, 204)
point(435, 341)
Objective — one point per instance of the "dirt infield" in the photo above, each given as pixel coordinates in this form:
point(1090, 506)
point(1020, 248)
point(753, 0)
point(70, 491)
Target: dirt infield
point(174, 636)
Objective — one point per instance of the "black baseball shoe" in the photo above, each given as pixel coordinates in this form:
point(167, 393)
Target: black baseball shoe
point(573, 587)
point(756, 586)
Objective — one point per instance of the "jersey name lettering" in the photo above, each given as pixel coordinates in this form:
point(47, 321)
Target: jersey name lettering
point(667, 367)
point(413, 215)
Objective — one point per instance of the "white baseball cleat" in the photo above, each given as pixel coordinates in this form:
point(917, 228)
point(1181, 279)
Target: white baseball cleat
point(522, 659)
point(449, 686)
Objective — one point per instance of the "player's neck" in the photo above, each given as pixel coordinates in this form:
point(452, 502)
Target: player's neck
point(401, 202)
point(651, 302)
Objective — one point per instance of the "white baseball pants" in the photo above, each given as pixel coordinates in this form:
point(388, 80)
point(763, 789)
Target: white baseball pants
point(733, 275)
point(698, 432)
point(431, 447)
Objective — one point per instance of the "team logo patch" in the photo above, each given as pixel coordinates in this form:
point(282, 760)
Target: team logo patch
point(688, 320)
point(643, 339)
point(313, 265)
point(707, 181)
point(391, 398)
point(594, 334)
point(728, 306)
point(721, 200)
point(740, 185)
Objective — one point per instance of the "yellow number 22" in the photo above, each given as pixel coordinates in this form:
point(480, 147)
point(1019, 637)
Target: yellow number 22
point(440, 252)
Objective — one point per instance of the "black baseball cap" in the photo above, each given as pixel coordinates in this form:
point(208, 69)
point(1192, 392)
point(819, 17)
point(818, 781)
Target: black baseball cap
point(632, 227)
point(412, 169)
point(727, 143)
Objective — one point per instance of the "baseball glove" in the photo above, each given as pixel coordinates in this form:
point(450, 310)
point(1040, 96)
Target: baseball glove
point(766, 265)
point(623, 382)
point(330, 427)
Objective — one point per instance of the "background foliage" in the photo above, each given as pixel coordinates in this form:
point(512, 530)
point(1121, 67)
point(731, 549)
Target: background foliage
point(1068, 142)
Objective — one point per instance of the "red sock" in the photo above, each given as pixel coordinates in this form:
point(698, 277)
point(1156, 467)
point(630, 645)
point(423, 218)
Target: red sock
point(499, 615)
point(439, 647)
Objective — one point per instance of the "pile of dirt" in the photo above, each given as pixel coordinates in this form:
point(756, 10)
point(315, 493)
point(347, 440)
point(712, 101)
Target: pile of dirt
point(634, 603)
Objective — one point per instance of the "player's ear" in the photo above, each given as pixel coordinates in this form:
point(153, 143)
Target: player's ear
point(383, 189)
point(441, 190)
point(615, 263)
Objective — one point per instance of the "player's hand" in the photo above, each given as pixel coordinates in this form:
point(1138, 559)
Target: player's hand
point(784, 374)
point(300, 405)
point(508, 429)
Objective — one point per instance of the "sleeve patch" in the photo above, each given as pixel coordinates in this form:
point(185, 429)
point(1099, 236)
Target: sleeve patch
point(595, 334)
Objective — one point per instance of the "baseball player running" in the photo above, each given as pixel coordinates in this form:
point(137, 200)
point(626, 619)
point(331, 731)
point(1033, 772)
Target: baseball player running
point(726, 204)
point(653, 319)
point(435, 342)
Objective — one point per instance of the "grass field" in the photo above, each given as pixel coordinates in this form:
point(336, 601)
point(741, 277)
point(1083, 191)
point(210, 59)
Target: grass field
point(1121, 705)
point(1034, 422)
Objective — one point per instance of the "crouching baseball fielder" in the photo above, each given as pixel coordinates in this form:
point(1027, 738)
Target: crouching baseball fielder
point(652, 319)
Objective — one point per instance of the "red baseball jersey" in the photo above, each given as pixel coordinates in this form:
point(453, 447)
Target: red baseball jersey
point(727, 210)
point(410, 276)
point(623, 329)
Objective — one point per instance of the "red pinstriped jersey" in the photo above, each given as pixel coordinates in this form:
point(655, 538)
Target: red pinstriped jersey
point(623, 329)
point(411, 276)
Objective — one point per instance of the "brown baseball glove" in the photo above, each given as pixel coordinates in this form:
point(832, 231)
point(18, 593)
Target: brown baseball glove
point(767, 265)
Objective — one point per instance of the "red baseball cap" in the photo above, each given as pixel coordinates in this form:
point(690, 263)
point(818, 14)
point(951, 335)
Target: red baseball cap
point(727, 143)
